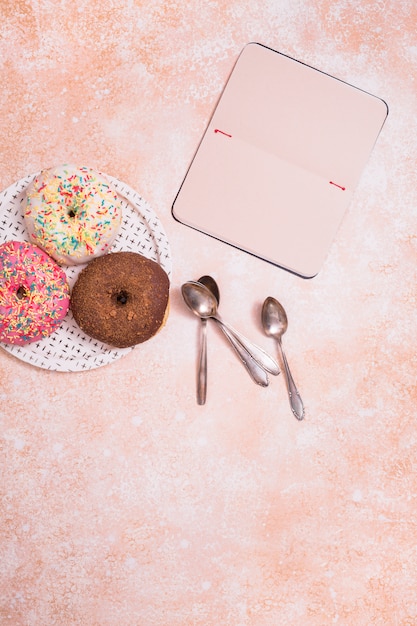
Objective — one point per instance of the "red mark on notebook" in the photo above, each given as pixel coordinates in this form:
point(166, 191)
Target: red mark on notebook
point(336, 185)
point(216, 130)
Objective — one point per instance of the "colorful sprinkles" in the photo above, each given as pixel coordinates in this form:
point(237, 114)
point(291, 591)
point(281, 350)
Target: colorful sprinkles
point(72, 213)
point(34, 293)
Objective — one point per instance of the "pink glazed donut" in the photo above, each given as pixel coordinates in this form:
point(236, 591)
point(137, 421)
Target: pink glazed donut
point(34, 293)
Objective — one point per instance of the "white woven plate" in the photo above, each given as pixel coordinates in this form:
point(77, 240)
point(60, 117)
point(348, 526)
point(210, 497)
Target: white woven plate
point(68, 349)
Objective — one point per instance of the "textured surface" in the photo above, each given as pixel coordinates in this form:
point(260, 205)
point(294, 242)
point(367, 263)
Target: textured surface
point(123, 502)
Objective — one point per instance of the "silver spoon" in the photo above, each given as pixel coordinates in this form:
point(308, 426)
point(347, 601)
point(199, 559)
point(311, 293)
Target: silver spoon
point(275, 323)
point(211, 284)
point(202, 303)
point(256, 353)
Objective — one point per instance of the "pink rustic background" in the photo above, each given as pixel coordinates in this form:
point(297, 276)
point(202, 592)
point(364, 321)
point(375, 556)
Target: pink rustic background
point(123, 503)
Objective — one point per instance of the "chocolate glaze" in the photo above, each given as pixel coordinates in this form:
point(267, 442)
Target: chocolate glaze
point(121, 299)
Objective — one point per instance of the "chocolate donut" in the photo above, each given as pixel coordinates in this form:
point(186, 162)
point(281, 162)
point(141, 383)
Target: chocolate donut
point(121, 299)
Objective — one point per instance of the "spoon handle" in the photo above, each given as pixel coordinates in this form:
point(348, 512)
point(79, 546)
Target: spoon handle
point(202, 366)
point(296, 403)
point(257, 373)
point(260, 356)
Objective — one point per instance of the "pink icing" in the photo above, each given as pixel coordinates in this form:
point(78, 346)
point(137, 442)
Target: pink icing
point(34, 293)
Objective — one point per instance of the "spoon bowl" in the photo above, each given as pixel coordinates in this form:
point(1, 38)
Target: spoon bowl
point(210, 283)
point(199, 299)
point(274, 318)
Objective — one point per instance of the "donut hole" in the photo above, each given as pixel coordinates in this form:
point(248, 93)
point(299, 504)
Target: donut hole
point(122, 297)
point(72, 212)
point(22, 292)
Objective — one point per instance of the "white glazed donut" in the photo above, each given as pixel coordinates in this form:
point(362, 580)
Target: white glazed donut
point(73, 213)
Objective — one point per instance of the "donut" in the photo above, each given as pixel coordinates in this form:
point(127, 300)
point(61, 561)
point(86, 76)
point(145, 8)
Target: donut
point(121, 299)
point(73, 213)
point(34, 293)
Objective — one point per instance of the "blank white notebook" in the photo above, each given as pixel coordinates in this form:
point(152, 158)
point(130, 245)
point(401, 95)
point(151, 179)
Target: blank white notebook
point(279, 161)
